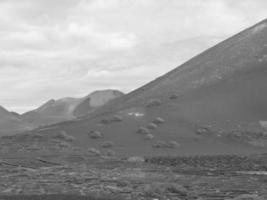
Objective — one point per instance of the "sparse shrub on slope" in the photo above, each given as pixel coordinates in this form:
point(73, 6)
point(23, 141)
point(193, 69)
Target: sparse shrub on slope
point(143, 130)
point(248, 197)
point(152, 126)
point(160, 144)
point(263, 124)
point(62, 135)
point(158, 121)
point(136, 159)
point(94, 151)
point(114, 119)
point(204, 131)
point(149, 136)
point(174, 144)
point(107, 144)
point(104, 121)
point(110, 153)
point(117, 118)
point(95, 135)
point(164, 144)
point(157, 190)
point(173, 97)
point(153, 103)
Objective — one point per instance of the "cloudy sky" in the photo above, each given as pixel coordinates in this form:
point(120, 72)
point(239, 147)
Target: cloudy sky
point(57, 48)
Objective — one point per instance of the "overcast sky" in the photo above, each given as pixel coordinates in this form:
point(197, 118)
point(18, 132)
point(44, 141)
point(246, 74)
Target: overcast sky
point(57, 48)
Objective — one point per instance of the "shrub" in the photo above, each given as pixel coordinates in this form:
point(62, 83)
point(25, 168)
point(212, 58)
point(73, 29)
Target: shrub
point(161, 144)
point(136, 159)
point(95, 135)
point(149, 136)
point(117, 118)
point(263, 124)
point(94, 151)
point(173, 97)
point(174, 144)
point(158, 120)
point(104, 121)
point(110, 153)
point(248, 197)
point(204, 131)
point(159, 189)
point(143, 130)
point(63, 145)
point(152, 126)
point(164, 144)
point(64, 136)
point(107, 144)
point(153, 103)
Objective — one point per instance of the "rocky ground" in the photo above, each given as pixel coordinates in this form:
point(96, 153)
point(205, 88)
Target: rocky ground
point(94, 177)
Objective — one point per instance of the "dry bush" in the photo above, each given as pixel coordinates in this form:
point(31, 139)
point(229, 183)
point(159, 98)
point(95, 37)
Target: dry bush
point(110, 153)
point(149, 136)
point(143, 130)
point(136, 159)
point(161, 144)
point(62, 135)
point(158, 121)
point(152, 126)
point(174, 144)
point(94, 151)
point(107, 144)
point(204, 131)
point(117, 118)
point(173, 97)
point(104, 121)
point(159, 189)
point(95, 135)
point(153, 103)
point(164, 144)
point(248, 197)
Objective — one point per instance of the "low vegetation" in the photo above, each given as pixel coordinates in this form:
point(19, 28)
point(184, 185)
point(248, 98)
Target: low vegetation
point(110, 120)
point(110, 153)
point(158, 121)
point(62, 135)
point(95, 134)
point(107, 144)
point(143, 130)
point(173, 97)
point(152, 126)
point(149, 136)
point(94, 151)
point(164, 144)
point(153, 103)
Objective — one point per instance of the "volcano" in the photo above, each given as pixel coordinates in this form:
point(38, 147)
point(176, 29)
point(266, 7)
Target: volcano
point(212, 104)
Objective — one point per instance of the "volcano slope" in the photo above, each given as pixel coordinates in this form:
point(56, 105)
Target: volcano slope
point(11, 123)
point(211, 104)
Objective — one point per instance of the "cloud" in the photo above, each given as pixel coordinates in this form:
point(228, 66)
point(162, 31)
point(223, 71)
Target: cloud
point(52, 49)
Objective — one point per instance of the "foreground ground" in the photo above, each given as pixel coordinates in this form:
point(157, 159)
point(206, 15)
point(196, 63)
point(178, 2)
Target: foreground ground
point(93, 177)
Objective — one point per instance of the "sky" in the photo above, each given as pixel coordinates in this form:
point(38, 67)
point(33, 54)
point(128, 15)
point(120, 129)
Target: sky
point(59, 48)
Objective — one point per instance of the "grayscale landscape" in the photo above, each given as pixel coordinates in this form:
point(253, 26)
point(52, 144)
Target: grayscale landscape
point(198, 131)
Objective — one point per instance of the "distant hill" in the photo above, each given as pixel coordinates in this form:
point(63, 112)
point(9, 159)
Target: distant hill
point(11, 122)
point(68, 108)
